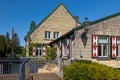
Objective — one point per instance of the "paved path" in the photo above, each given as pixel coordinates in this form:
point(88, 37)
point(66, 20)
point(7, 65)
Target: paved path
point(40, 76)
point(45, 76)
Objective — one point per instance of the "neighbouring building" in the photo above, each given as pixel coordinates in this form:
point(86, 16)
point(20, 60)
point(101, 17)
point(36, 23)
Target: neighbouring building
point(98, 41)
point(57, 23)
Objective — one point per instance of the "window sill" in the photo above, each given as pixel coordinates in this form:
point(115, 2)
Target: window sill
point(118, 58)
point(48, 39)
point(103, 58)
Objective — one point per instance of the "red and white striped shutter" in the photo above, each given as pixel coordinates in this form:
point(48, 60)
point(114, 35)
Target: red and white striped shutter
point(60, 48)
point(68, 47)
point(113, 46)
point(95, 48)
point(44, 51)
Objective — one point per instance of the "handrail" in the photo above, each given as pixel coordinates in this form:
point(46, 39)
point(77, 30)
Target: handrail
point(22, 70)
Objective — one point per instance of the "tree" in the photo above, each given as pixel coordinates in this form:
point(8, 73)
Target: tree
point(8, 43)
point(2, 46)
point(17, 46)
point(32, 26)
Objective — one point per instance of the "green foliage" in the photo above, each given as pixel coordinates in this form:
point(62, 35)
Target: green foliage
point(90, 71)
point(31, 45)
point(50, 53)
point(2, 46)
point(32, 25)
point(23, 52)
point(8, 43)
point(17, 47)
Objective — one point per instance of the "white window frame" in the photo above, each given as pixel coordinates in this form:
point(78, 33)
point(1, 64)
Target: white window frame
point(102, 44)
point(47, 34)
point(55, 35)
point(102, 52)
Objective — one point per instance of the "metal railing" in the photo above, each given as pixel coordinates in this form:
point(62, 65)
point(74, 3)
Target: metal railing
point(16, 68)
point(13, 69)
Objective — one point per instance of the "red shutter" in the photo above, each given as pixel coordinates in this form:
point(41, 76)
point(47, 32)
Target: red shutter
point(113, 47)
point(68, 47)
point(95, 48)
point(44, 51)
point(34, 51)
point(60, 48)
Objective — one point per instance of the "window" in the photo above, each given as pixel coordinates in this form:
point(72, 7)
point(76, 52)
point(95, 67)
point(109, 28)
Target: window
point(56, 35)
point(47, 34)
point(100, 46)
point(64, 48)
point(118, 46)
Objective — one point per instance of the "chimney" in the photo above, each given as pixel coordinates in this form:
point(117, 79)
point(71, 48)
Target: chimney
point(86, 22)
point(76, 18)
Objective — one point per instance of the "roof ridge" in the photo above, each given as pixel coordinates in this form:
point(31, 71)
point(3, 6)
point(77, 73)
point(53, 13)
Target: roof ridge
point(98, 20)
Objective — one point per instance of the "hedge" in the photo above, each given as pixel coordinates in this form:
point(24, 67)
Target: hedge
point(90, 71)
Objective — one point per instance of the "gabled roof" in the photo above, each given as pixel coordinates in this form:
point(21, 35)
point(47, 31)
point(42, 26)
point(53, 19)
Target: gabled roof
point(99, 20)
point(47, 17)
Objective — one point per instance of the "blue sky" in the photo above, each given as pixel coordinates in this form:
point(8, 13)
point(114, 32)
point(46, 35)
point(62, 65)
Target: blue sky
point(18, 14)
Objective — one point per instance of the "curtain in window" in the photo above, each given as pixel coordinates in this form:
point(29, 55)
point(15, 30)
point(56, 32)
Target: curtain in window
point(95, 48)
point(113, 47)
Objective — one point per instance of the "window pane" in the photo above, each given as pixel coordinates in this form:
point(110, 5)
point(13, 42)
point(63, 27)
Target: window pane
point(56, 34)
point(102, 39)
point(118, 50)
point(104, 50)
point(47, 34)
point(99, 50)
point(118, 40)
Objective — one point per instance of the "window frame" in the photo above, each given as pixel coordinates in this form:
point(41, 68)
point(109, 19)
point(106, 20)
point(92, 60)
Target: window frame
point(109, 48)
point(54, 35)
point(108, 52)
point(104, 44)
point(102, 51)
point(118, 57)
point(47, 34)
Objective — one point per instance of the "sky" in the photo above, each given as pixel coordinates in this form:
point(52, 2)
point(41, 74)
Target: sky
point(18, 14)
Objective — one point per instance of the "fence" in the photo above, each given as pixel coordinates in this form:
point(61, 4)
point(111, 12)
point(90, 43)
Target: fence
point(13, 69)
point(34, 65)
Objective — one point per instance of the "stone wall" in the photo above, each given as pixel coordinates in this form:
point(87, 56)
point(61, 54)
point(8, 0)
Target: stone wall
point(110, 27)
point(59, 21)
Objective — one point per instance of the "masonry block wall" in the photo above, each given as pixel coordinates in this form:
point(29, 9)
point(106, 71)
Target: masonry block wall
point(60, 20)
point(110, 27)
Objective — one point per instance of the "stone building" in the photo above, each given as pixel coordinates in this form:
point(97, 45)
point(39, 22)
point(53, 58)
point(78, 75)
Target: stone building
point(57, 23)
point(98, 41)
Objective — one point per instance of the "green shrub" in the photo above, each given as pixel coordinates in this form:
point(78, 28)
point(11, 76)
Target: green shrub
point(90, 71)
point(50, 53)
